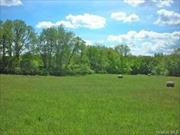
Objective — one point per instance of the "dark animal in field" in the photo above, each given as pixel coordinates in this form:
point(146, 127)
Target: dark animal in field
point(170, 84)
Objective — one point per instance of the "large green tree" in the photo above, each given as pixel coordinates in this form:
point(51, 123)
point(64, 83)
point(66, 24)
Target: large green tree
point(23, 37)
point(123, 50)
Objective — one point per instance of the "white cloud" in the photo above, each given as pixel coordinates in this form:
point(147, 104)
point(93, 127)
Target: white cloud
point(158, 3)
point(134, 2)
point(122, 16)
point(45, 24)
point(163, 3)
point(147, 42)
point(76, 21)
point(87, 21)
point(67, 24)
point(10, 2)
point(89, 42)
point(167, 17)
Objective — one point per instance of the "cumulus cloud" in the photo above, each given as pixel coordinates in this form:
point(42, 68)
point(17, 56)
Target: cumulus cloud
point(134, 2)
point(76, 21)
point(167, 17)
point(122, 16)
point(10, 2)
point(158, 3)
point(45, 24)
point(147, 42)
point(163, 3)
point(88, 42)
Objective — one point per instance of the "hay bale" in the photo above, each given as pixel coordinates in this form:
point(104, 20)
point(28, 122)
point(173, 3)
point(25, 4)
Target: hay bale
point(170, 84)
point(149, 74)
point(120, 76)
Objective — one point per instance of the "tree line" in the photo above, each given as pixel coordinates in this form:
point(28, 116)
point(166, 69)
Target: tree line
point(56, 51)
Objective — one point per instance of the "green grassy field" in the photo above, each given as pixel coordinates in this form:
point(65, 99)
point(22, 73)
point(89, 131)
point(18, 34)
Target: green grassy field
point(88, 105)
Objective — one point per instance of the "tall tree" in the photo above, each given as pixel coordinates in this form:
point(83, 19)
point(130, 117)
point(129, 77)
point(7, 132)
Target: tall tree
point(63, 48)
point(48, 41)
point(22, 37)
point(123, 50)
point(6, 37)
point(76, 49)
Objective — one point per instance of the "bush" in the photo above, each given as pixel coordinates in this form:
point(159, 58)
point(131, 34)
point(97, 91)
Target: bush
point(30, 64)
point(17, 70)
point(44, 72)
point(29, 67)
point(79, 69)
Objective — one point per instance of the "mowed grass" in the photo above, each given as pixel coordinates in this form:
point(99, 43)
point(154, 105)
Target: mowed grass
point(88, 105)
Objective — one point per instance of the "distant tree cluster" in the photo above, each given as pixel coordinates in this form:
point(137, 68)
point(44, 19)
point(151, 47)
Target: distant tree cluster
point(55, 51)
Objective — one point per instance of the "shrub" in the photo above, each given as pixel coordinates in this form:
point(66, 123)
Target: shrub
point(79, 69)
point(17, 70)
point(44, 72)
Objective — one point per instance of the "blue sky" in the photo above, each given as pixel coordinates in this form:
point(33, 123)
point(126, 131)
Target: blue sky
point(146, 26)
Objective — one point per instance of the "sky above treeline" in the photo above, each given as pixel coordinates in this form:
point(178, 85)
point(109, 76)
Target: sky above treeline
point(146, 26)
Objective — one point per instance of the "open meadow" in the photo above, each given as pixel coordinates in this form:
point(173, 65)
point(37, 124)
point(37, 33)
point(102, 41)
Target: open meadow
point(88, 105)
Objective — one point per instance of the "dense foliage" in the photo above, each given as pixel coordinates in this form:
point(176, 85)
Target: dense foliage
point(56, 51)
